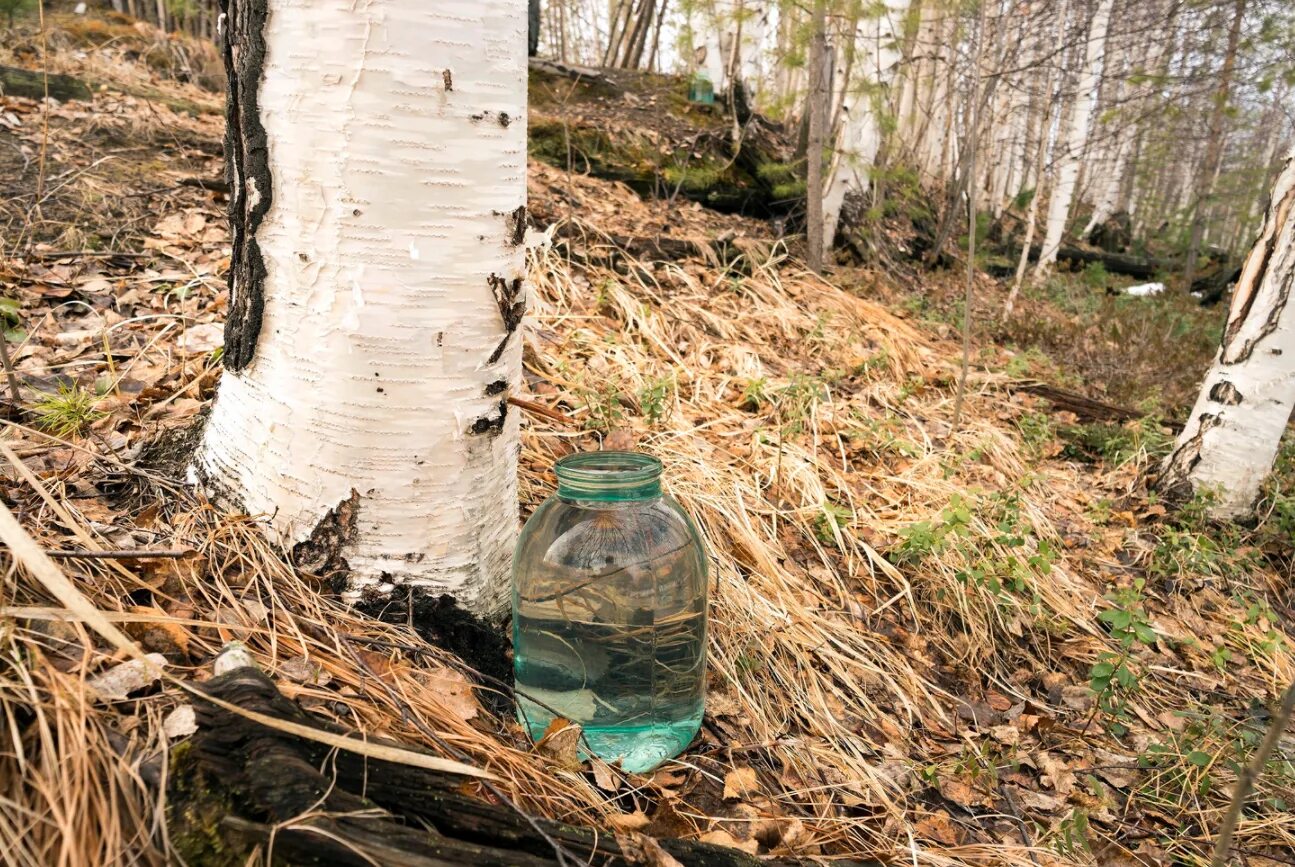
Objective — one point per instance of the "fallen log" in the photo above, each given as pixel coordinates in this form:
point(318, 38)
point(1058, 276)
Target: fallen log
point(31, 84)
point(1084, 407)
point(238, 784)
point(576, 73)
point(1116, 263)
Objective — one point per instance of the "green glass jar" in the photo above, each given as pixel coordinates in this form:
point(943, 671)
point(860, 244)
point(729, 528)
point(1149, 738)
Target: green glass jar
point(609, 611)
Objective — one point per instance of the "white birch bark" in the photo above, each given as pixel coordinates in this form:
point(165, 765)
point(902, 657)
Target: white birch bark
point(1076, 135)
point(733, 33)
point(864, 100)
point(1232, 436)
point(372, 410)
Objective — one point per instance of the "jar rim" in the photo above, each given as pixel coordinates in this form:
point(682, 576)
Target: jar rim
point(612, 474)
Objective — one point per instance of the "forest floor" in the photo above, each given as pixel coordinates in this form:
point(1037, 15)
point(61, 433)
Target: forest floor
point(932, 642)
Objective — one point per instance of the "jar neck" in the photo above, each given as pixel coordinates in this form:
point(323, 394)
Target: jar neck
point(609, 477)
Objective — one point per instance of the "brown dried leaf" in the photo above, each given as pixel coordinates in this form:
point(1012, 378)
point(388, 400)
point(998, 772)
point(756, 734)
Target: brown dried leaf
point(723, 838)
point(453, 689)
point(642, 849)
point(604, 777)
point(740, 783)
point(560, 743)
point(635, 821)
point(937, 827)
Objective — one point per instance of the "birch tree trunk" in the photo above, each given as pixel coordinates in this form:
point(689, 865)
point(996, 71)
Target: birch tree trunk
point(377, 160)
point(1204, 194)
point(1232, 436)
point(864, 104)
point(1067, 172)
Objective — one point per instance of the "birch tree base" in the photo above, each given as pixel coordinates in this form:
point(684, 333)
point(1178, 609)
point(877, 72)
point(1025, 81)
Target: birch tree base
point(378, 159)
point(1231, 439)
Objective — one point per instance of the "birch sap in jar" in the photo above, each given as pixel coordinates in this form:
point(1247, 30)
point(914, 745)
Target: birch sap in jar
point(609, 612)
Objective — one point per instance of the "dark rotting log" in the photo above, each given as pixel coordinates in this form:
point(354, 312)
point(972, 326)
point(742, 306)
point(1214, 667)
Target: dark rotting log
point(31, 84)
point(238, 784)
point(1115, 263)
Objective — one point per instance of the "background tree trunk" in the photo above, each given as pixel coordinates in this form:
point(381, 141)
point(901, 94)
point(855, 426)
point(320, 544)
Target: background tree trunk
point(1076, 134)
point(376, 285)
point(814, 151)
point(1214, 145)
point(1231, 439)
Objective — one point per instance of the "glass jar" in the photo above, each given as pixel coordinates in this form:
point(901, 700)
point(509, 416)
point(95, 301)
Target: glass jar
point(609, 611)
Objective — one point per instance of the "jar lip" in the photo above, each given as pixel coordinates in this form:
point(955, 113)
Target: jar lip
point(607, 468)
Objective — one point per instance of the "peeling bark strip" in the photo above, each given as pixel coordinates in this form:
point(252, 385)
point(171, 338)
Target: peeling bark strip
point(1247, 289)
point(247, 169)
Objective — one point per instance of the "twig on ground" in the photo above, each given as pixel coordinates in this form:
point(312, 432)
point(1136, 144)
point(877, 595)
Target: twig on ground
point(119, 555)
point(1251, 773)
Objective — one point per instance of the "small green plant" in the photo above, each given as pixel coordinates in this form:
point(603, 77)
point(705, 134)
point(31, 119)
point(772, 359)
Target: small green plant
point(924, 538)
point(1095, 276)
point(829, 522)
point(10, 8)
point(755, 394)
point(9, 318)
point(1111, 678)
point(1115, 443)
point(654, 398)
point(1072, 834)
point(1036, 431)
point(68, 412)
point(603, 404)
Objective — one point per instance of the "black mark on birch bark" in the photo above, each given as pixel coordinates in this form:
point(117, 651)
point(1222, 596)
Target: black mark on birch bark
point(322, 553)
point(499, 386)
point(493, 423)
point(1225, 393)
point(508, 295)
point(1175, 481)
point(248, 171)
point(516, 220)
point(502, 118)
point(448, 78)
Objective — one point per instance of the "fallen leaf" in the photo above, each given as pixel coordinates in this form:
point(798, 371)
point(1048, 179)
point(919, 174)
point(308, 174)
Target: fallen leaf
point(1115, 769)
point(198, 339)
point(964, 795)
point(181, 722)
point(620, 440)
point(1009, 735)
point(1077, 697)
point(605, 778)
point(1054, 772)
point(121, 680)
point(937, 827)
point(299, 669)
point(453, 690)
point(740, 783)
point(642, 849)
point(723, 838)
point(635, 821)
point(561, 742)
point(1037, 801)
